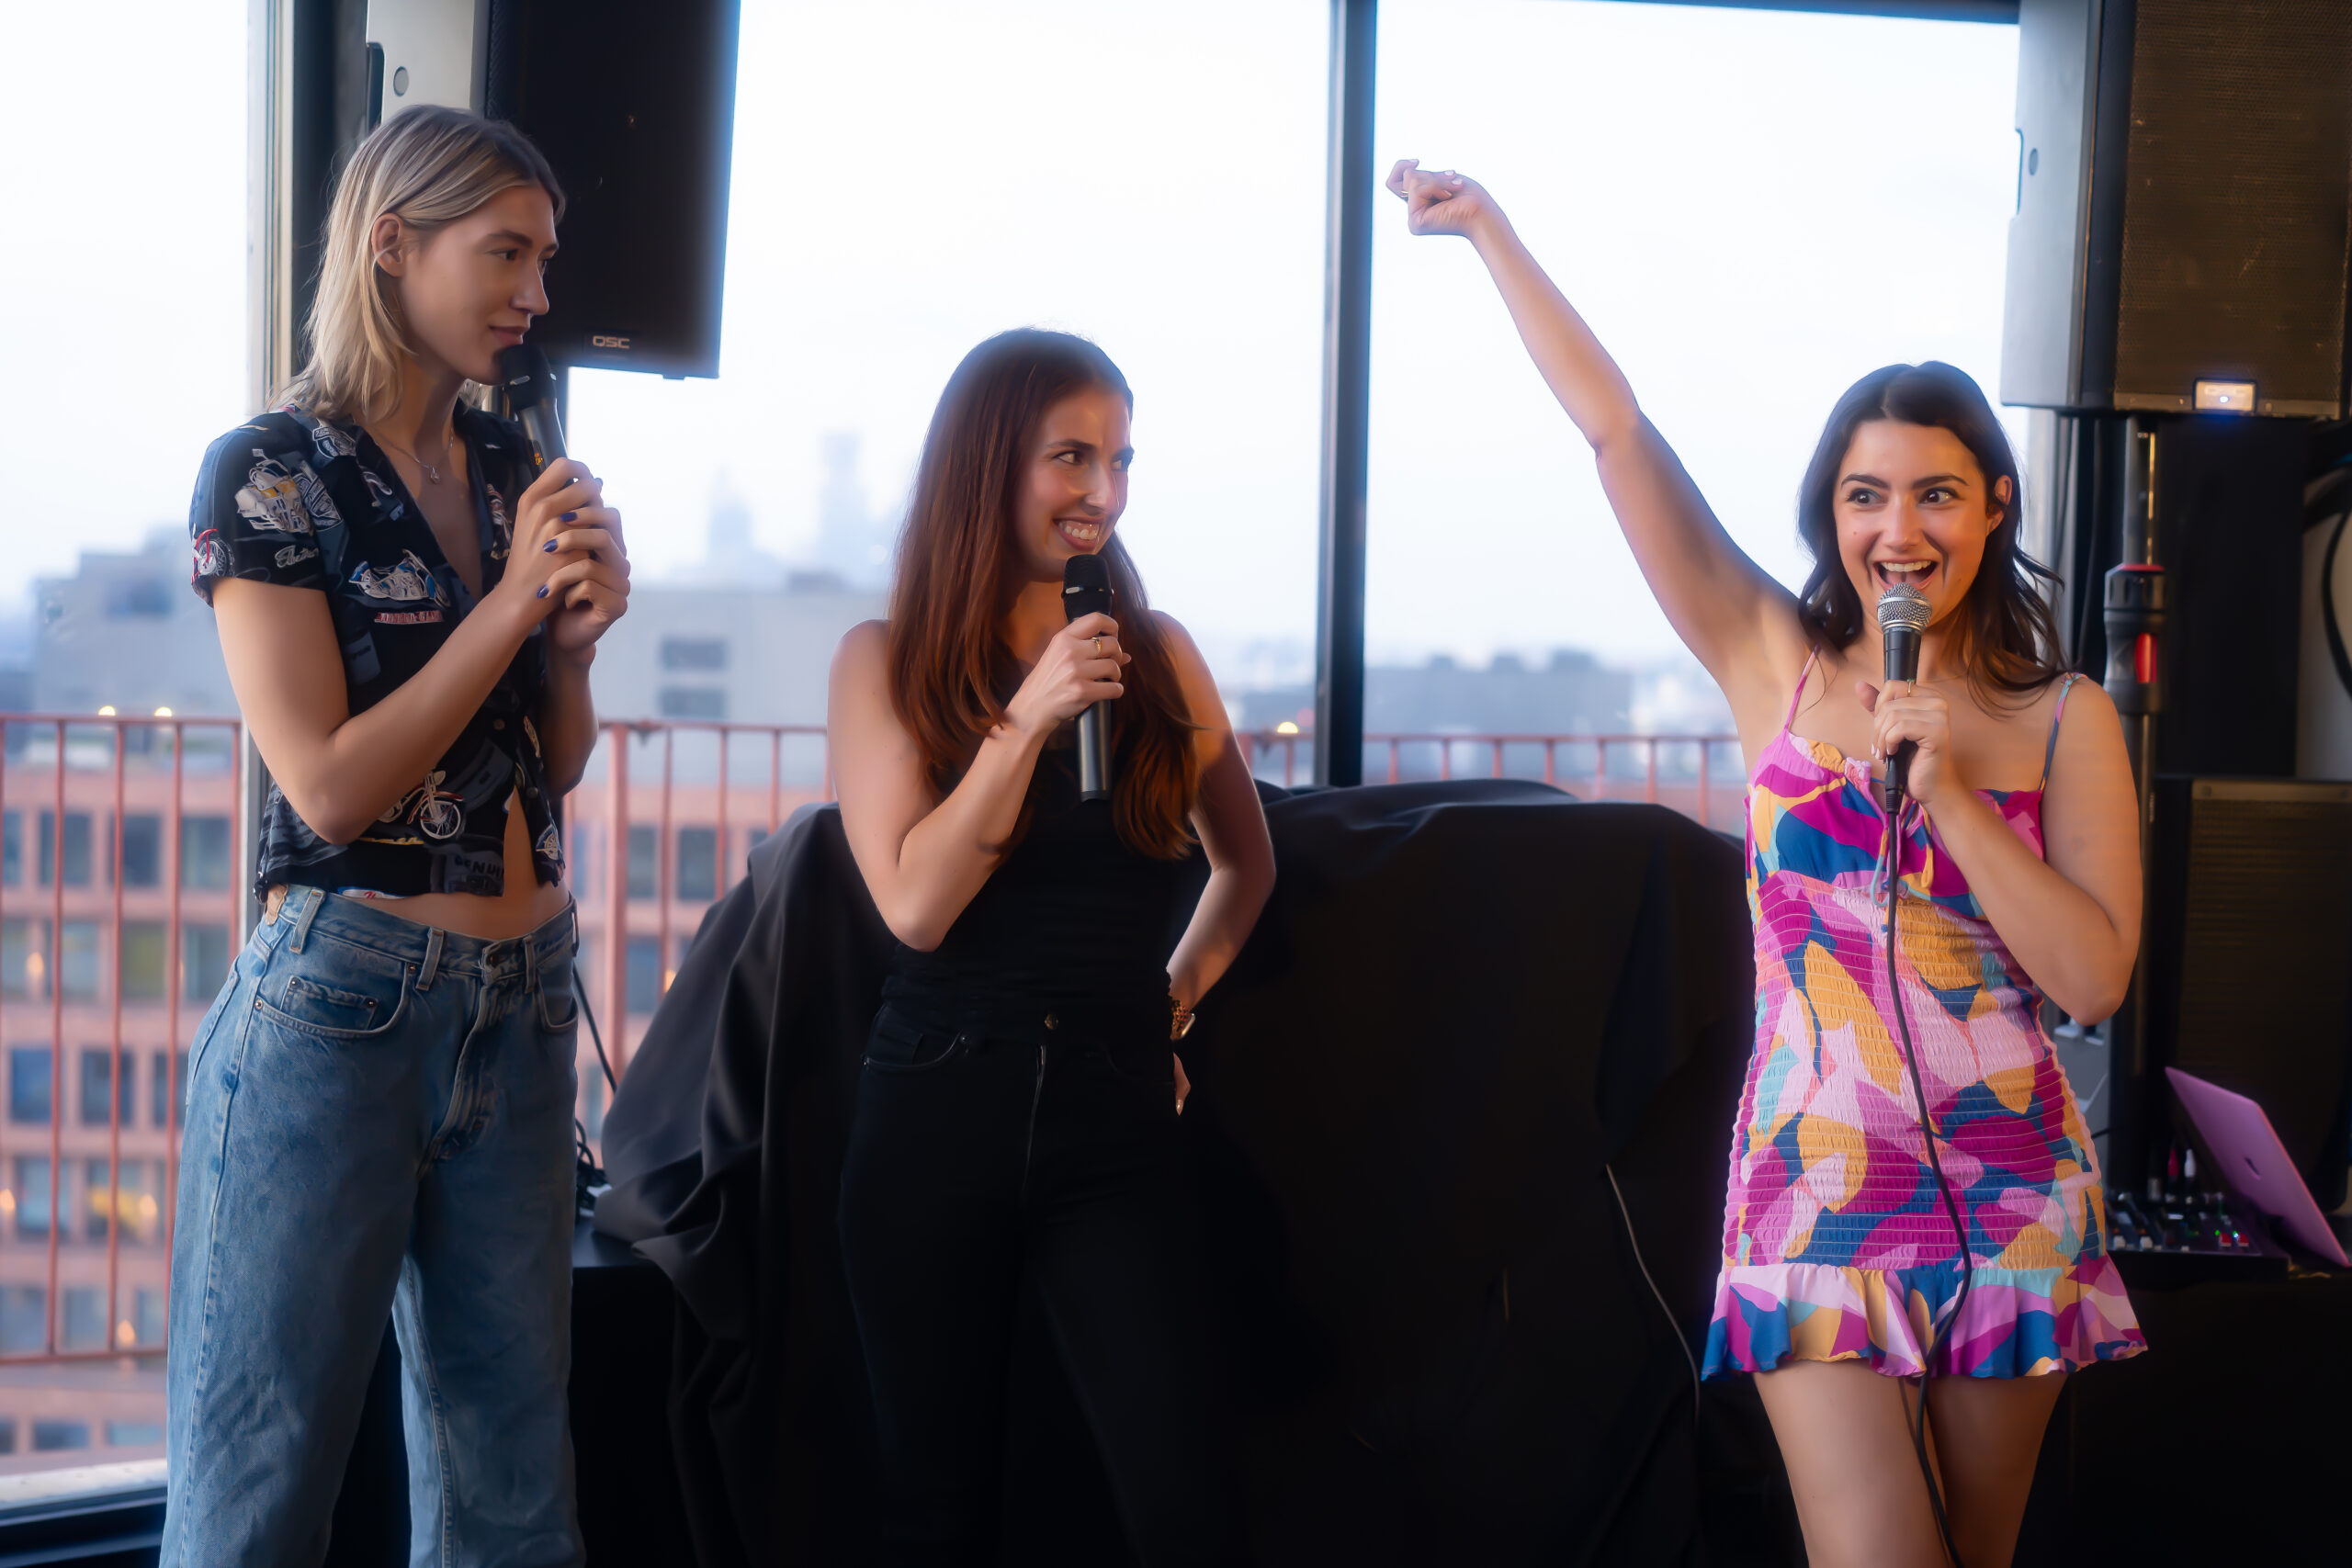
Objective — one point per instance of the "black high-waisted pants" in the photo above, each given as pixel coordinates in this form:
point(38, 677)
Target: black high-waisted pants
point(1008, 1148)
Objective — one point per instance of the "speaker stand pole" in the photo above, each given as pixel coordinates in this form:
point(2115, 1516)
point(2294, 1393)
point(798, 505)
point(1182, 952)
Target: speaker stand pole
point(2134, 680)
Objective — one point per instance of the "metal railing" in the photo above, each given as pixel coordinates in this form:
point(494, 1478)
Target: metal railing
point(104, 863)
point(1676, 771)
point(74, 875)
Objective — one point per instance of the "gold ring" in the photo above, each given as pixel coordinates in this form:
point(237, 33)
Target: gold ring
point(1098, 646)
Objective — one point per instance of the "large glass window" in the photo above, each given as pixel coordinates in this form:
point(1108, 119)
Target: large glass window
point(1752, 208)
point(1149, 175)
point(125, 278)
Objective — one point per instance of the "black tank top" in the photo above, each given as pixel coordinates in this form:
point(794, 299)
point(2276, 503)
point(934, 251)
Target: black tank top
point(1071, 915)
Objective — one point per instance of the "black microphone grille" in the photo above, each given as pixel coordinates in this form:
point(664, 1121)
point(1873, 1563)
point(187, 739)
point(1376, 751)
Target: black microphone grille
point(1903, 607)
point(1085, 571)
point(524, 373)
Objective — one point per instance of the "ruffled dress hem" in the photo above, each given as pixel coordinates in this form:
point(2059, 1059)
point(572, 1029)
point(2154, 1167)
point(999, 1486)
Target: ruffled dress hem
point(2018, 1323)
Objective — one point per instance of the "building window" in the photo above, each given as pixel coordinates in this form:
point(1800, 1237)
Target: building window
point(691, 702)
point(141, 598)
point(204, 961)
point(85, 1328)
point(24, 1319)
point(644, 870)
point(133, 1434)
point(28, 1076)
point(77, 961)
point(644, 974)
point(694, 653)
point(142, 961)
point(94, 1089)
point(142, 850)
point(12, 848)
point(168, 1085)
point(131, 1198)
point(699, 863)
point(52, 1437)
point(33, 1204)
point(147, 1316)
point(77, 848)
point(24, 958)
point(7, 1432)
point(204, 853)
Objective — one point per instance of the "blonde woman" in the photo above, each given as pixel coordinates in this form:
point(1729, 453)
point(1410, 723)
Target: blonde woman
point(380, 1104)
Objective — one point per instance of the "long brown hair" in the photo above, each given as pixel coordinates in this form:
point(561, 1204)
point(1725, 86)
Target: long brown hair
point(2003, 636)
point(959, 574)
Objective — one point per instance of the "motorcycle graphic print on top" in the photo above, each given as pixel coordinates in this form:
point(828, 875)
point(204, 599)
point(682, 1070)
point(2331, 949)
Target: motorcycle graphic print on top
point(300, 501)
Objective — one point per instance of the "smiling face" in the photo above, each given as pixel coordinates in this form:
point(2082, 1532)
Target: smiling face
point(472, 288)
point(1073, 482)
point(1911, 506)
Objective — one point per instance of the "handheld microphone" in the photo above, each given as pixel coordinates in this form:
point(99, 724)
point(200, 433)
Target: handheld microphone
point(1903, 614)
point(530, 386)
point(1086, 591)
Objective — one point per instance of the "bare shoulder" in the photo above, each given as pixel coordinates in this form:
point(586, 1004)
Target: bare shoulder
point(2089, 720)
point(1179, 641)
point(861, 674)
point(864, 642)
point(1201, 696)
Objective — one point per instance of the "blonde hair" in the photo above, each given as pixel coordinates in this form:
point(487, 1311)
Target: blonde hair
point(428, 167)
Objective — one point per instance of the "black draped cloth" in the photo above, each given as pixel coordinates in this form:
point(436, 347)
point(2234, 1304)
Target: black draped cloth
point(1473, 1014)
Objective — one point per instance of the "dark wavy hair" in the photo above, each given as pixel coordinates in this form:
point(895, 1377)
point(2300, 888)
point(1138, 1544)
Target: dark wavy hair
point(958, 573)
point(2005, 635)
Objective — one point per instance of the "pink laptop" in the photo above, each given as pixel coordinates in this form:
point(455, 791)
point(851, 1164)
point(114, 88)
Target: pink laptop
point(2254, 1162)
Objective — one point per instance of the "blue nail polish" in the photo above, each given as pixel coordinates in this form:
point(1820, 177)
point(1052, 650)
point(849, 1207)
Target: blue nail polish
point(568, 516)
point(543, 590)
point(548, 547)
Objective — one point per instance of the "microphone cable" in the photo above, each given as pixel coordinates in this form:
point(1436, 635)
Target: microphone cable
point(1891, 865)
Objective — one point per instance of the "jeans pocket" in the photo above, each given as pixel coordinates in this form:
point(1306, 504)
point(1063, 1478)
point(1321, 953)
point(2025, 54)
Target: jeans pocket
point(334, 990)
point(897, 1044)
point(558, 1003)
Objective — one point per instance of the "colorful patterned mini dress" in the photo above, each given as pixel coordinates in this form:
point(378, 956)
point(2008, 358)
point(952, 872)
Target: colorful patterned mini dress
point(1837, 1244)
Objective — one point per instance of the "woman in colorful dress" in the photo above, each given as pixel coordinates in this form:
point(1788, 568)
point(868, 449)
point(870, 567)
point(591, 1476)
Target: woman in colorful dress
point(380, 1103)
point(1844, 1280)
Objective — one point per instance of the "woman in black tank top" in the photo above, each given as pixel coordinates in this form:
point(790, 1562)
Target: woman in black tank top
point(1016, 1111)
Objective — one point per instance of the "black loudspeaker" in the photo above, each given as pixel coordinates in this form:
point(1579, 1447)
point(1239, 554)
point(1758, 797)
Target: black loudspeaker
point(2249, 966)
point(2184, 207)
point(634, 105)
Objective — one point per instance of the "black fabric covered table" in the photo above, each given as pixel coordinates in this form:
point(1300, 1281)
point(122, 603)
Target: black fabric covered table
point(1466, 1004)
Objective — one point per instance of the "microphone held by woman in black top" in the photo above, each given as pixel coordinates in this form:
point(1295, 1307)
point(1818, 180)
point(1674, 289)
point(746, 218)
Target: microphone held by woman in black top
point(1016, 1111)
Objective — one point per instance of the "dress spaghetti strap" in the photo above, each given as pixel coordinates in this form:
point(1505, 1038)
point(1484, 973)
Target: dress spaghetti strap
point(1797, 697)
point(2050, 751)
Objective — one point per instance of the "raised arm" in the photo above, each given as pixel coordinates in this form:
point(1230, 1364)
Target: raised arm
point(924, 855)
point(1739, 623)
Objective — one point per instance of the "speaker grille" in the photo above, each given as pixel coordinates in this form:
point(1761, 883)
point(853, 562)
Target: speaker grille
point(2235, 218)
point(2265, 959)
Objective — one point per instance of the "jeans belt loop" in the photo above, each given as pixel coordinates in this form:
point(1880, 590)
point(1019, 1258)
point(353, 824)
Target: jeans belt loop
point(432, 965)
point(531, 966)
point(311, 898)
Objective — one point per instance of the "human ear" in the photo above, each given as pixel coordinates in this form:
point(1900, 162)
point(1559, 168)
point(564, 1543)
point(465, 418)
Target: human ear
point(384, 244)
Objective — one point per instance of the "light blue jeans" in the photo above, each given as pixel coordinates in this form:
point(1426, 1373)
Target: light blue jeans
point(379, 1120)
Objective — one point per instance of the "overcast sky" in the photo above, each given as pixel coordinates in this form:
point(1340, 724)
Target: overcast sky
point(1752, 208)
